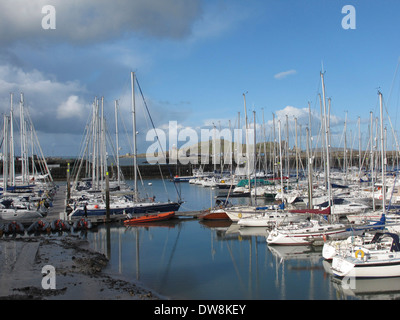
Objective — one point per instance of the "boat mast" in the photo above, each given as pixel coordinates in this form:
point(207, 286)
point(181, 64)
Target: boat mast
point(329, 189)
point(287, 163)
point(135, 190)
point(12, 159)
point(383, 158)
point(231, 147)
point(274, 146)
point(322, 163)
point(297, 158)
point(280, 157)
point(247, 146)
point(94, 115)
point(310, 163)
point(21, 128)
point(101, 145)
point(309, 122)
point(372, 160)
point(117, 141)
point(97, 145)
point(23, 141)
point(345, 149)
point(359, 147)
point(264, 143)
point(255, 159)
point(213, 146)
point(239, 146)
point(32, 151)
point(5, 153)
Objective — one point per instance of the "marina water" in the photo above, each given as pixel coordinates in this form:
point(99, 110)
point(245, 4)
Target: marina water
point(188, 258)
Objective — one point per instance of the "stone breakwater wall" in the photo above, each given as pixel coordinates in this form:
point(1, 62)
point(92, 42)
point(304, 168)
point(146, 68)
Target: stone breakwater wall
point(58, 169)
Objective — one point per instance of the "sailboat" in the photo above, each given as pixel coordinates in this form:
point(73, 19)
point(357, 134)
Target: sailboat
point(129, 203)
point(270, 219)
point(27, 196)
point(379, 259)
point(307, 232)
point(337, 247)
point(313, 230)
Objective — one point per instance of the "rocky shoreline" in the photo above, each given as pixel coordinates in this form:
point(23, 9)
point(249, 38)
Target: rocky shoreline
point(79, 271)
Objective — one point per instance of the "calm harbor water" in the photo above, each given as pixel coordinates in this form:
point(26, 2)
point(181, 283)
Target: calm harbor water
point(190, 259)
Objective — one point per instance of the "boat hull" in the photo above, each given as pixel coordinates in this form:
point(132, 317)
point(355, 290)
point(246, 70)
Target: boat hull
point(148, 218)
point(269, 219)
point(139, 208)
point(351, 267)
point(214, 215)
point(7, 214)
point(236, 216)
point(277, 238)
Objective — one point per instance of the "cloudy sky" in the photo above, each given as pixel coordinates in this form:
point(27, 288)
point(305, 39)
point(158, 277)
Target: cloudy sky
point(194, 59)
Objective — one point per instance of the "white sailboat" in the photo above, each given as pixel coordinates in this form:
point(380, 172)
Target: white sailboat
point(28, 195)
point(130, 202)
point(310, 231)
point(307, 232)
point(380, 259)
point(271, 218)
point(333, 248)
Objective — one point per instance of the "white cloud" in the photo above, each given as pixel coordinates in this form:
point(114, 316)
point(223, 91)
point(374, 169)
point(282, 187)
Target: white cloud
point(302, 116)
point(284, 74)
point(42, 95)
point(71, 108)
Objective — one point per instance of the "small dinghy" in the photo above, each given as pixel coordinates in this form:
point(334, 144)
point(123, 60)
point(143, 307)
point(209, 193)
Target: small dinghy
point(82, 224)
point(149, 218)
point(60, 225)
point(13, 228)
point(39, 226)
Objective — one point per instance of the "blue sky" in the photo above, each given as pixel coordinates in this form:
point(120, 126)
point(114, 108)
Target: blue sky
point(194, 59)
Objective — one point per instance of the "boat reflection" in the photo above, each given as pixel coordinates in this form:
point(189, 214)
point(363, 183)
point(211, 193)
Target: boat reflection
point(309, 253)
point(216, 224)
point(368, 289)
point(172, 223)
